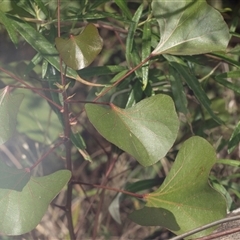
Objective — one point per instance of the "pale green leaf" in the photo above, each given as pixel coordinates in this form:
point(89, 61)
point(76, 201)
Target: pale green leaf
point(146, 131)
point(22, 211)
point(9, 105)
point(189, 27)
point(185, 200)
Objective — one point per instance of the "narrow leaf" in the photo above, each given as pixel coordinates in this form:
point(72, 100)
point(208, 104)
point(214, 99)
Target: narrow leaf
point(234, 139)
point(193, 83)
point(146, 131)
point(44, 47)
point(189, 27)
point(131, 32)
point(221, 78)
point(178, 91)
point(22, 211)
point(146, 50)
point(185, 200)
point(123, 6)
point(10, 29)
point(229, 162)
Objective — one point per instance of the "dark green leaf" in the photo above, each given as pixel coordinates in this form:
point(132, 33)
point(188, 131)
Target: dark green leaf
point(227, 59)
point(146, 131)
point(178, 92)
point(193, 83)
point(80, 144)
point(123, 6)
point(234, 139)
point(10, 29)
point(13, 178)
point(232, 74)
point(42, 45)
point(101, 70)
point(131, 33)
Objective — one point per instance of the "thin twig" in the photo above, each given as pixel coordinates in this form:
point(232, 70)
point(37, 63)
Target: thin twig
point(110, 188)
point(67, 133)
point(228, 219)
point(29, 87)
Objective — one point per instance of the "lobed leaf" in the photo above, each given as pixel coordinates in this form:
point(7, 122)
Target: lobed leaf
point(185, 200)
point(22, 211)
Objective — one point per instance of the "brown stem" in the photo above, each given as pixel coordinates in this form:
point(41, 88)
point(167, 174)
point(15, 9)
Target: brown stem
point(30, 87)
point(110, 188)
point(122, 78)
point(67, 134)
point(44, 155)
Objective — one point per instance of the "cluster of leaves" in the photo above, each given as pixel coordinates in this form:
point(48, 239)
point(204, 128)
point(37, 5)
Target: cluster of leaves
point(170, 65)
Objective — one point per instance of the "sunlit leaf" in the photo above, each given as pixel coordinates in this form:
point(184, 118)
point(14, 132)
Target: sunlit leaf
point(22, 211)
point(185, 200)
point(79, 51)
point(146, 131)
point(12, 178)
point(189, 27)
point(9, 105)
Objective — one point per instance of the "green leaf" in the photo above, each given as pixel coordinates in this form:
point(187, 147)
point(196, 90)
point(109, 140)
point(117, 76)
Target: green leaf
point(79, 51)
point(9, 105)
point(189, 27)
point(101, 70)
point(22, 211)
point(229, 162)
point(80, 144)
point(123, 6)
point(234, 139)
point(179, 95)
point(146, 131)
point(131, 33)
point(193, 83)
point(43, 46)
point(227, 59)
point(10, 29)
point(185, 200)
point(146, 50)
point(13, 178)
point(221, 78)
